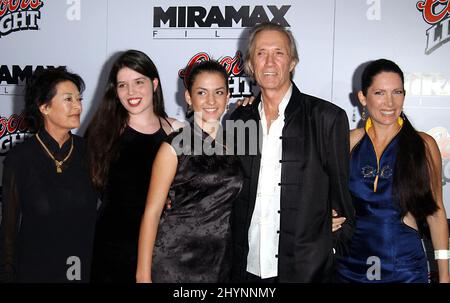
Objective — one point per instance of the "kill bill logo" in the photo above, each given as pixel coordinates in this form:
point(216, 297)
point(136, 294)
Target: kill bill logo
point(19, 15)
point(240, 84)
point(437, 14)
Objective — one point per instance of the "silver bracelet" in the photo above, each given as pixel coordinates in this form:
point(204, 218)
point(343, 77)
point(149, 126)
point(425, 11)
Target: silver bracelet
point(442, 254)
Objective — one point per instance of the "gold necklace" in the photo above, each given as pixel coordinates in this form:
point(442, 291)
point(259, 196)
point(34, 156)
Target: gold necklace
point(57, 163)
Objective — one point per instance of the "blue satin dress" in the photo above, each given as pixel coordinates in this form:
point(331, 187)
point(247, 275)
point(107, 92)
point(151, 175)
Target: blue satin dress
point(383, 248)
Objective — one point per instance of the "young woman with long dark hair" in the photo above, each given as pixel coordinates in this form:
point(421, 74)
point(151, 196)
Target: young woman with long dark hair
point(123, 138)
point(191, 241)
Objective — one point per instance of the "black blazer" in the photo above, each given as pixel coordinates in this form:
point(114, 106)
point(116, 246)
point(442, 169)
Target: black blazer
point(314, 179)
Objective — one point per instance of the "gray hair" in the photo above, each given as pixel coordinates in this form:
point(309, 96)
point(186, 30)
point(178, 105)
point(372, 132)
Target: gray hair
point(266, 26)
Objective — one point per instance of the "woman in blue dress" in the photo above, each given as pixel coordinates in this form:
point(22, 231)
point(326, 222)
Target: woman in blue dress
point(395, 182)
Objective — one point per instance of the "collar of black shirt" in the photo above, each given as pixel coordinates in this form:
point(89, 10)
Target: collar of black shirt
point(53, 146)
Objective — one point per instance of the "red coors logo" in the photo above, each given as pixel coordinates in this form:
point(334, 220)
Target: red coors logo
point(436, 13)
point(240, 85)
point(17, 15)
point(13, 130)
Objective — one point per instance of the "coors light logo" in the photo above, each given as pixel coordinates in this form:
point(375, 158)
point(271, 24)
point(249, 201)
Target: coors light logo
point(19, 15)
point(13, 130)
point(240, 84)
point(436, 13)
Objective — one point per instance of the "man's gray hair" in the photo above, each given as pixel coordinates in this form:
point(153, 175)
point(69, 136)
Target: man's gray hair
point(266, 26)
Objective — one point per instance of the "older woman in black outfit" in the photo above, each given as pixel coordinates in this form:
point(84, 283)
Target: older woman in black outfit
point(49, 205)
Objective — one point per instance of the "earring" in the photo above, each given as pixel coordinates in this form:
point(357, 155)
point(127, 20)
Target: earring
point(403, 116)
point(364, 114)
point(227, 108)
point(189, 111)
point(354, 114)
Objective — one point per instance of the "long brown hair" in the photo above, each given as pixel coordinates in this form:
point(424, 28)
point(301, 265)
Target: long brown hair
point(111, 117)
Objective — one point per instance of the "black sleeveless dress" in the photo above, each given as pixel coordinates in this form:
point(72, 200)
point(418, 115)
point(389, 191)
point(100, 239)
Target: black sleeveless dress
point(116, 241)
point(193, 240)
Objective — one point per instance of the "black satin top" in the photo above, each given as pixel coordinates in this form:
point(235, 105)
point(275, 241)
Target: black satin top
point(48, 218)
point(193, 240)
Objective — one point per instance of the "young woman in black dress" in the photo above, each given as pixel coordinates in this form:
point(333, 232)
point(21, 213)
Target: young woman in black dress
point(191, 242)
point(123, 138)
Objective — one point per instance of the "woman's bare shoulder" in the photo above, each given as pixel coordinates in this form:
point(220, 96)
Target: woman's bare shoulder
point(175, 124)
point(430, 143)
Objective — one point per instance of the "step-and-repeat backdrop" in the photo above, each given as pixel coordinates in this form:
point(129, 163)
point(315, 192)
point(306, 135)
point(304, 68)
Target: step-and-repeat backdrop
point(335, 37)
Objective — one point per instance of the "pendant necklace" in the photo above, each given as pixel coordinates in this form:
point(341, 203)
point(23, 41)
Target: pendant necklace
point(57, 163)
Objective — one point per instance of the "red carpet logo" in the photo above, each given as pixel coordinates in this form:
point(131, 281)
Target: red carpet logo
point(436, 13)
point(19, 15)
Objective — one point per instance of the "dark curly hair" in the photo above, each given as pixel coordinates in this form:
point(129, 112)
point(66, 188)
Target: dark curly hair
point(41, 88)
